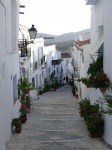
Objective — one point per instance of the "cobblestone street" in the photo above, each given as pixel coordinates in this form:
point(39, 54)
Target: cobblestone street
point(55, 124)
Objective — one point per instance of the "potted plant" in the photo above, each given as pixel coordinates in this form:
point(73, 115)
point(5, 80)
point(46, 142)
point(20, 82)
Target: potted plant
point(84, 107)
point(74, 89)
point(23, 113)
point(86, 81)
point(28, 103)
point(101, 81)
point(41, 91)
point(16, 122)
point(95, 125)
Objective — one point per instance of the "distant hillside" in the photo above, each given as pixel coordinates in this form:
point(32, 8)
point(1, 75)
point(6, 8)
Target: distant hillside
point(64, 41)
point(63, 46)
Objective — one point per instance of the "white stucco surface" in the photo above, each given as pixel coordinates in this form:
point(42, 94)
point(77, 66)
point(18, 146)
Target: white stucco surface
point(107, 7)
point(9, 67)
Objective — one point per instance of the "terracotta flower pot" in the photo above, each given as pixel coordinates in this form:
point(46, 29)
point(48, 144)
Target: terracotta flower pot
point(23, 119)
point(28, 110)
point(88, 85)
point(81, 115)
point(95, 135)
point(103, 90)
point(18, 129)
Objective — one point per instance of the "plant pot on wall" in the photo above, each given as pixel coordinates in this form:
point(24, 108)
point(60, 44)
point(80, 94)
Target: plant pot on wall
point(103, 90)
point(88, 85)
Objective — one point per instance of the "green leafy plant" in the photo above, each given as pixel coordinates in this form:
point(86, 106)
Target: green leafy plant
point(16, 122)
point(74, 89)
point(84, 107)
point(95, 124)
point(23, 110)
point(95, 66)
point(101, 80)
point(108, 102)
point(24, 87)
point(92, 71)
point(93, 117)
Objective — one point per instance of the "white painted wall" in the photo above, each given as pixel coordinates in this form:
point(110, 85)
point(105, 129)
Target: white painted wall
point(101, 21)
point(67, 68)
point(9, 67)
point(37, 53)
point(82, 60)
point(97, 29)
point(107, 5)
point(49, 51)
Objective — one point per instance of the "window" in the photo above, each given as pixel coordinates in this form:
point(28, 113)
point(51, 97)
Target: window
point(100, 50)
point(33, 81)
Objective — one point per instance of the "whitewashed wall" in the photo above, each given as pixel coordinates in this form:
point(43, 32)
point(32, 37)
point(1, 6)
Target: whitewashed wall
point(49, 52)
point(96, 22)
point(83, 69)
point(67, 68)
point(37, 52)
point(101, 21)
point(97, 29)
point(107, 5)
point(9, 67)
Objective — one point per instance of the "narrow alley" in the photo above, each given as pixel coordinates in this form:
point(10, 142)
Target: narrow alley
point(54, 123)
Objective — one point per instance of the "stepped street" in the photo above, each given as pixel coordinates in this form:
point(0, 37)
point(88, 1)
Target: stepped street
point(54, 123)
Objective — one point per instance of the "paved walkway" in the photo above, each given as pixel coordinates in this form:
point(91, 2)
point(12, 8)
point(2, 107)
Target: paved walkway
point(54, 124)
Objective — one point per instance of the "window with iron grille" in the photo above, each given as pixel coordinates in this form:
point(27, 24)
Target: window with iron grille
point(36, 65)
point(33, 81)
point(41, 61)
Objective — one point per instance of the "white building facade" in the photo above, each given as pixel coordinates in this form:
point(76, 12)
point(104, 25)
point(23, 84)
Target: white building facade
point(9, 67)
point(53, 62)
point(101, 28)
point(67, 67)
point(81, 62)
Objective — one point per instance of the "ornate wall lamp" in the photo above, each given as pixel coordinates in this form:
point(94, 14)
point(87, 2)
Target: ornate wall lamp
point(23, 42)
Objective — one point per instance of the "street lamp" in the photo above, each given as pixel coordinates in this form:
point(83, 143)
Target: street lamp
point(32, 32)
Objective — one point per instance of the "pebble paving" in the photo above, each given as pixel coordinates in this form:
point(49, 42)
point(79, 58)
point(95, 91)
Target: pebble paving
point(54, 123)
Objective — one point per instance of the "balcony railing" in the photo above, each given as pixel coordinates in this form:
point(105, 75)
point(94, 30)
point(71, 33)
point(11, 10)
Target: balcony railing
point(56, 62)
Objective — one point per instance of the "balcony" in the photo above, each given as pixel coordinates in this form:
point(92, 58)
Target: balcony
point(56, 62)
point(91, 2)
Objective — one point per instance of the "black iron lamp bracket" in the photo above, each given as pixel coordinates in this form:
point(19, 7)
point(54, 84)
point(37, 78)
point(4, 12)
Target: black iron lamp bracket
point(24, 43)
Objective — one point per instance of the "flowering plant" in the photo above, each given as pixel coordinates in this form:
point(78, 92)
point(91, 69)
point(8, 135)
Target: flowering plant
point(95, 124)
point(101, 80)
point(23, 110)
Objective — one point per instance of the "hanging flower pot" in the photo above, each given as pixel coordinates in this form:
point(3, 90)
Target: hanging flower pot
point(103, 90)
point(88, 85)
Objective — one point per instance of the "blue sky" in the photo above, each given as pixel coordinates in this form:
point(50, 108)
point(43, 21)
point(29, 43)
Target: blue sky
point(56, 16)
